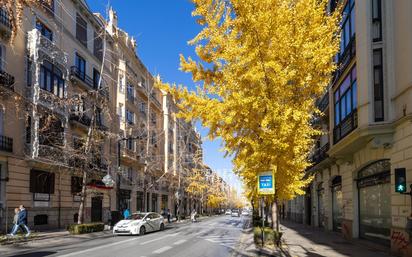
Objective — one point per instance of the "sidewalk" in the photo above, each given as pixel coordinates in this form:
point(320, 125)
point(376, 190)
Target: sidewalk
point(303, 241)
point(300, 240)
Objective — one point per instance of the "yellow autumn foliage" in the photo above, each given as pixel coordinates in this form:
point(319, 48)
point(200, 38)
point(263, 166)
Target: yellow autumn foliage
point(261, 65)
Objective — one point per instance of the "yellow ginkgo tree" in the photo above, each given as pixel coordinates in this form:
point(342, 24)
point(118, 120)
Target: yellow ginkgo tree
point(260, 66)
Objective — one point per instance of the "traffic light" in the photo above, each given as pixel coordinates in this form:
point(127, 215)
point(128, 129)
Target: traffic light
point(400, 180)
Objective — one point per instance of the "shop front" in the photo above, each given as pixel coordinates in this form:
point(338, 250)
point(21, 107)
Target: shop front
point(374, 202)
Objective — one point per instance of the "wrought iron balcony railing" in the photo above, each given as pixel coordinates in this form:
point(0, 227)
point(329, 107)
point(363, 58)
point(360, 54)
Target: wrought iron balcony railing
point(345, 58)
point(6, 80)
point(6, 144)
point(347, 125)
point(75, 72)
point(82, 119)
point(320, 154)
point(323, 102)
point(5, 20)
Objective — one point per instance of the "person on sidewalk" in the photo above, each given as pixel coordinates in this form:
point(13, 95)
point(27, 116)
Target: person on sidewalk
point(168, 215)
point(126, 213)
point(193, 215)
point(22, 221)
point(15, 222)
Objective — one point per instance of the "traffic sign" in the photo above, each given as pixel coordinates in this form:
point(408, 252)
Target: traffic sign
point(266, 183)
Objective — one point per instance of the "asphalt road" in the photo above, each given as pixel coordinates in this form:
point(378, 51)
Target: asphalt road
point(215, 237)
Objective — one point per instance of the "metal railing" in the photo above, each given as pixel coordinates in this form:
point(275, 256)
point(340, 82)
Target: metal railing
point(347, 125)
point(6, 144)
point(6, 80)
point(320, 154)
point(323, 102)
point(82, 119)
point(5, 19)
point(345, 58)
point(88, 81)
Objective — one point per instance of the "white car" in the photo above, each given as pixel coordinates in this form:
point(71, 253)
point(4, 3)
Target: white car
point(228, 212)
point(139, 224)
point(245, 213)
point(235, 213)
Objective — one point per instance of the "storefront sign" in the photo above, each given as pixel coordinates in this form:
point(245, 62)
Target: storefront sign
point(266, 183)
point(41, 197)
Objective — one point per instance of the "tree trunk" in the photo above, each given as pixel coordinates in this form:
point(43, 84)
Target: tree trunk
point(80, 218)
point(275, 216)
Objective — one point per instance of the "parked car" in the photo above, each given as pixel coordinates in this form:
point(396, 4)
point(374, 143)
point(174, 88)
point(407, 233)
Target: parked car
point(235, 213)
point(228, 212)
point(245, 213)
point(139, 224)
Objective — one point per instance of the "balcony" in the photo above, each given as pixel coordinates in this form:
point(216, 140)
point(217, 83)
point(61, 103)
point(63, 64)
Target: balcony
point(5, 24)
point(6, 80)
point(52, 154)
point(346, 126)
point(40, 46)
point(83, 78)
point(344, 59)
point(323, 102)
point(82, 119)
point(6, 144)
point(320, 154)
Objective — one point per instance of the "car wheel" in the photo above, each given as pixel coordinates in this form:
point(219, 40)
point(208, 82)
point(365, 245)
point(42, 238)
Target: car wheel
point(142, 231)
point(162, 227)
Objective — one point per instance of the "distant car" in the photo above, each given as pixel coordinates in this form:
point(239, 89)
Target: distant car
point(139, 224)
point(235, 213)
point(245, 213)
point(228, 212)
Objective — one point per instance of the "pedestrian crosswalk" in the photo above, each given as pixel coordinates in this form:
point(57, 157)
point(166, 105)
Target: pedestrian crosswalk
point(222, 240)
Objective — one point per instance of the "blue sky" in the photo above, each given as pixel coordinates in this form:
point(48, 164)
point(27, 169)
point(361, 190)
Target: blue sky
point(162, 29)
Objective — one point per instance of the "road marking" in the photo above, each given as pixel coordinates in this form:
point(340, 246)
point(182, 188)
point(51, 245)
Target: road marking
point(161, 250)
point(159, 238)
point(180, 242)
point(98, 247)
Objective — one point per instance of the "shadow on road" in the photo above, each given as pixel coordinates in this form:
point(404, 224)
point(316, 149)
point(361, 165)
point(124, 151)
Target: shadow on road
point(35, 254)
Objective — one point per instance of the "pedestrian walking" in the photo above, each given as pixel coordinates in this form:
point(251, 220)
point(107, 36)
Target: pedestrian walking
point(168, 215)
point(23, 214)
point(193, 215)
point(15, 222)
point(126, 213)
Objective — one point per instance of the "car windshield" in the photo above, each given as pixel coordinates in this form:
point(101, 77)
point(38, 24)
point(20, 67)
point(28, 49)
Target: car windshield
point(137, 216)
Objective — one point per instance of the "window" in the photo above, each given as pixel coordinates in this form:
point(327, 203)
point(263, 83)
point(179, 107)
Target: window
point(378, 85)
point(51, 79)
point(153, 138)
point(81, 66)
point(76, 185)
point(143, 83)
point(129, 144)
point(41, 182)
point(51, 131)
point(48, 6)
point(81, 30)
point(377, 20)
point(129, 117)
point(153, 118)
point(130, 92)
point(346, 97)
point(44, 30)
point(96, 78)
point(143, 107)
point(29, 72)
point(98, 47)
point(99, 117)
point(28, 130)
point(348, 25)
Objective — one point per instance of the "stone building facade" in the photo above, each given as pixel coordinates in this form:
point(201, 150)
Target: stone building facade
point(67, 70)
point(368, 130)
